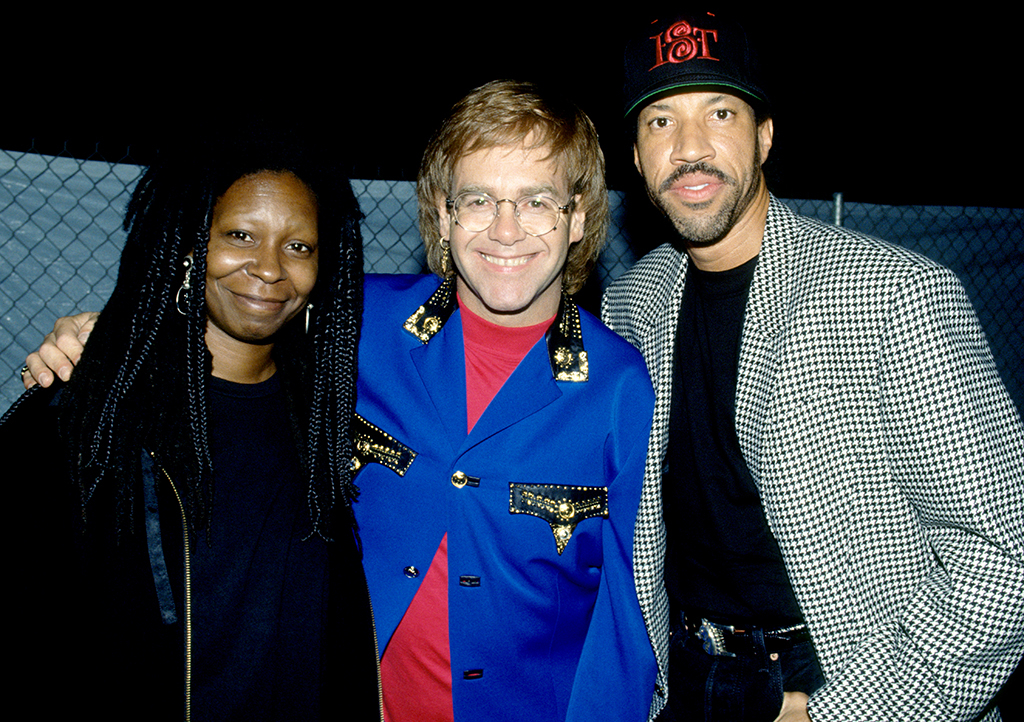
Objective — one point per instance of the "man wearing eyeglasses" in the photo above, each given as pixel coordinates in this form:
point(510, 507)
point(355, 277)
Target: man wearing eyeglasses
point(500, 558)
point(510, 430)
point(501, 436)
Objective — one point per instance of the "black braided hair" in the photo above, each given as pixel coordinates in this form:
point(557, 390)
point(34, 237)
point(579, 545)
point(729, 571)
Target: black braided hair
point(142, 382)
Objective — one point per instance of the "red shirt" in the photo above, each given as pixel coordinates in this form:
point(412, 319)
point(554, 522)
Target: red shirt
point(416, 669)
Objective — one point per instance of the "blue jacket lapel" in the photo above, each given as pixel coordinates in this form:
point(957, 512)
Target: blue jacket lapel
point(529, 389)
point(441, 364)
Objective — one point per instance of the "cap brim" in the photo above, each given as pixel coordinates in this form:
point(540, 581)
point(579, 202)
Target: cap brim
point(662, 91)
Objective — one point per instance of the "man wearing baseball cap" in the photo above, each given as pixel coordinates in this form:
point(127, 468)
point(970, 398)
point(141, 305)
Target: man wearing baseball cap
point(839, 467)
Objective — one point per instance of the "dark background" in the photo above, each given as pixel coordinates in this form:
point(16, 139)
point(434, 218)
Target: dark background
point(887, 106)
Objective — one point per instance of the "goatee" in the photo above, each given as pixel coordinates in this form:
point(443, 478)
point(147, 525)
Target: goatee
point(706, 229)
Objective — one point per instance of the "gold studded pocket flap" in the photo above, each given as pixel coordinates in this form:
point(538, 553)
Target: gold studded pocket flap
point(563, 507)
point(373, 445)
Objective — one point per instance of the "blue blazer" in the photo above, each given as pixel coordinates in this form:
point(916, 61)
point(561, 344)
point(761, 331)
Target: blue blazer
point(539, 504)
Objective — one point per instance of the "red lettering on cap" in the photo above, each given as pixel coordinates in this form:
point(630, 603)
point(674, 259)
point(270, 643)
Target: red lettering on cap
point(682, 42)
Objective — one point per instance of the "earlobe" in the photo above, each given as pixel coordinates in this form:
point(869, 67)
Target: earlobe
point(443, 219)
point(578, 224)
point(636, 159)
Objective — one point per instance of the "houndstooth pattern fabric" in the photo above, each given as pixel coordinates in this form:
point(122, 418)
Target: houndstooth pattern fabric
point(889, 458)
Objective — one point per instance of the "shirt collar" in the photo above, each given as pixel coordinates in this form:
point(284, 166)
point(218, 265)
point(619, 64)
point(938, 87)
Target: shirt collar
point(564, 338)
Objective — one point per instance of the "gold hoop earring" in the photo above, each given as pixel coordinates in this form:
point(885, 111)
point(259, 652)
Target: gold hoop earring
point(445, 253)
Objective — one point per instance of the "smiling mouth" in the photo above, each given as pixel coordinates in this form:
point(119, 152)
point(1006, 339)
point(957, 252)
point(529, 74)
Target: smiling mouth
point(506, 262)
point(256, 302)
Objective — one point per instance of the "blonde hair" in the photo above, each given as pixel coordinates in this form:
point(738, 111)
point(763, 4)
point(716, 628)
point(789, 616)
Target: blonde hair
point(506, 113)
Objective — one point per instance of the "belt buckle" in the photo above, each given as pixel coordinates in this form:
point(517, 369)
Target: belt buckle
point(712, 637)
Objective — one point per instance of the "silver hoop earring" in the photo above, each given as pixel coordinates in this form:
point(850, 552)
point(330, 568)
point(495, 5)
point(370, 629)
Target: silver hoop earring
point(183, 297)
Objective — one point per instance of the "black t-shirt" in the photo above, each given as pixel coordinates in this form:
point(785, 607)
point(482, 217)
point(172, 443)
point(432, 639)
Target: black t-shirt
point(260, 594)
point(722, 561)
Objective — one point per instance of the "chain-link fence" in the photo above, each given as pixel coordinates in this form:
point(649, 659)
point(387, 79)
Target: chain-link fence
point(60, 240)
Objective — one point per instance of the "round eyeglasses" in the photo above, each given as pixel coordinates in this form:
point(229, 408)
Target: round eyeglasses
point(476, 212)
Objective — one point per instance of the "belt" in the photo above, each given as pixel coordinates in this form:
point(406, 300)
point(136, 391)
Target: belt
point(726, 640)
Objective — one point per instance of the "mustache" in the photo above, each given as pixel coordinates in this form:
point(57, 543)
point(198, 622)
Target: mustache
point(691, 168)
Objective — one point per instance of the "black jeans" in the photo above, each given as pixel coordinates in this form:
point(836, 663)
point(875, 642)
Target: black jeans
point(735, 689)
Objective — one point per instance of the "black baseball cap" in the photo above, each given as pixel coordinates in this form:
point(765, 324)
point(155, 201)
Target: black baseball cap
point(689, 50)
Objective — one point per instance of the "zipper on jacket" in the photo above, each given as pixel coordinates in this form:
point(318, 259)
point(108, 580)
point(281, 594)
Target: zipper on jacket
point(188, 597)
point(376, 656)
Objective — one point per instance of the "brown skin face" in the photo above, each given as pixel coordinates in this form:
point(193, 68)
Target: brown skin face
point(700, 155)
point(261, 266)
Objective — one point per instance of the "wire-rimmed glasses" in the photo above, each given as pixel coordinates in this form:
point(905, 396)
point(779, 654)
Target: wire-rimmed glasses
point(536, 215)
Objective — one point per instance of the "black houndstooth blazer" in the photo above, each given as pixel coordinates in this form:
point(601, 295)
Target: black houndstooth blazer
point(889, 458)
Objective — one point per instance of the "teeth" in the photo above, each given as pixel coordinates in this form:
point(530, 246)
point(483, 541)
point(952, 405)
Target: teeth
point(697, 188)
point(518, 261)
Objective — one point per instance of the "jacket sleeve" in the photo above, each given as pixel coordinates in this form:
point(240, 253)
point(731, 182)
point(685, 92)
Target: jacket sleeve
point(955, 448)
point(616, 674)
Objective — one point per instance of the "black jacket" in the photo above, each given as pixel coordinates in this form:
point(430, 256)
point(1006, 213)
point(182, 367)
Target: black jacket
point(100, 622)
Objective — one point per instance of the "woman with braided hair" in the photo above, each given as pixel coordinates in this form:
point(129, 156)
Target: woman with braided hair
point(202, 561)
